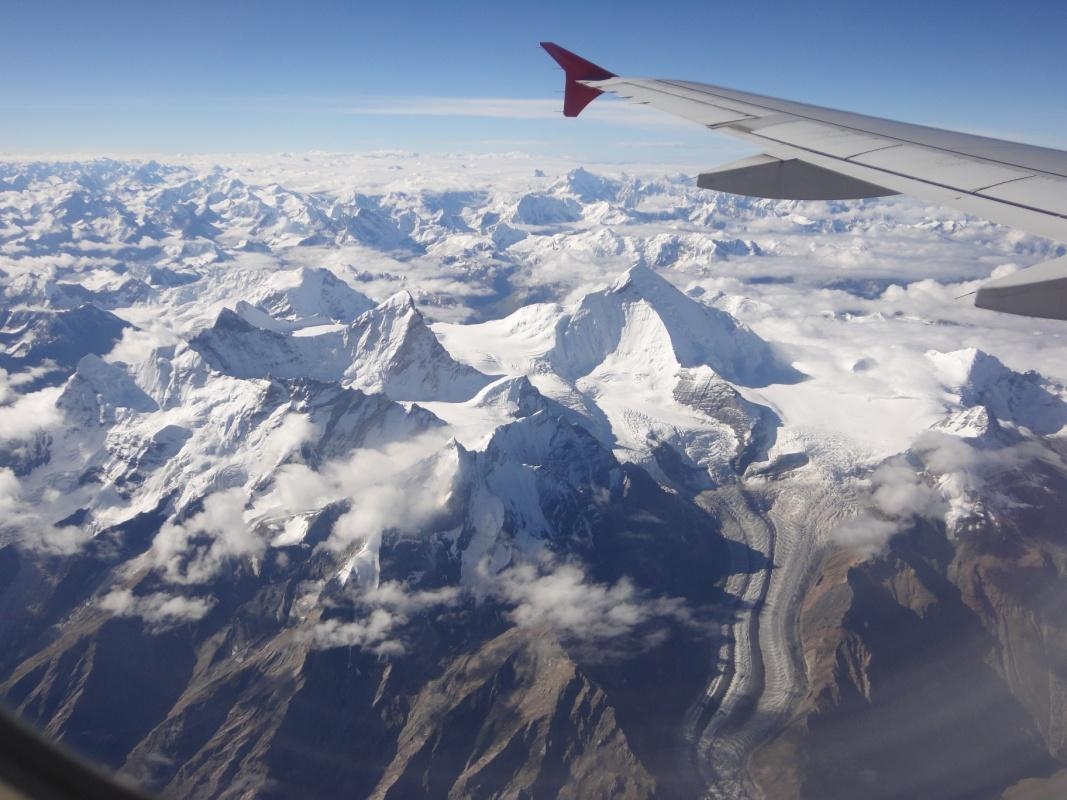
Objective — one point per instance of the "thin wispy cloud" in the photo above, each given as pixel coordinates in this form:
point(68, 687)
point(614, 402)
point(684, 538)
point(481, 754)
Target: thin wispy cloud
point(510, 108)
point(614, 112)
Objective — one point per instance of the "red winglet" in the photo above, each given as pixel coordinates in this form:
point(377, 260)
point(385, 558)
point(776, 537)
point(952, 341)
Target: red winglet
point(577, 96)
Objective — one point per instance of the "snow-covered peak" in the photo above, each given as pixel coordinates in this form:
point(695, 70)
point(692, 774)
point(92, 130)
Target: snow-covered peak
point(394, 351)
point(514, 397)
point(402, 301)
point(586, 186)
point(977, 426)
point(387, 349)
point(663, 329)
point(644, 281)
point(97, 390)
point(970, 366)
point(31, 337)
point(537, 208)
point(548, 480)
point(235, 346)
point(251, 315)
point(545, 440)
point(1026, 400)
point(346, 418)
point(501, 402)
point(41, 289)
point(305, 297)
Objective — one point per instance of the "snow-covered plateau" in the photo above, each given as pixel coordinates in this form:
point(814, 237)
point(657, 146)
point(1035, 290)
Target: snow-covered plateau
point(417, 476)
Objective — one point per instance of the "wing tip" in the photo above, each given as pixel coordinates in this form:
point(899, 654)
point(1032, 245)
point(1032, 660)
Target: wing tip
point(576, 96)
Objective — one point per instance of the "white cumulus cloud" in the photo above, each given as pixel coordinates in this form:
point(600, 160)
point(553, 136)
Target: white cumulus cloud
point(159, 610)
point(599, 617)
point(899, 494)
point(384, 610)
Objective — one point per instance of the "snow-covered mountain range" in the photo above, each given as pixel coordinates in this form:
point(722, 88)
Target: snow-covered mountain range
point(583, 427)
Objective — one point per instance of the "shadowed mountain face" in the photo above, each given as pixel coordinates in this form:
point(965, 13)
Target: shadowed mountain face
point(56, 340)
point(388, 349)
point(467, 702)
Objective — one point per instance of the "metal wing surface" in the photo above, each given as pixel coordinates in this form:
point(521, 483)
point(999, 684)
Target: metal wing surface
point(816, 153)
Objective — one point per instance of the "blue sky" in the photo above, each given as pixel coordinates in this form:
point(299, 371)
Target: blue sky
point(122, 77)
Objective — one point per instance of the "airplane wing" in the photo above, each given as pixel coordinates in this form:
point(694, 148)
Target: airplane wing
point(815, 153)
